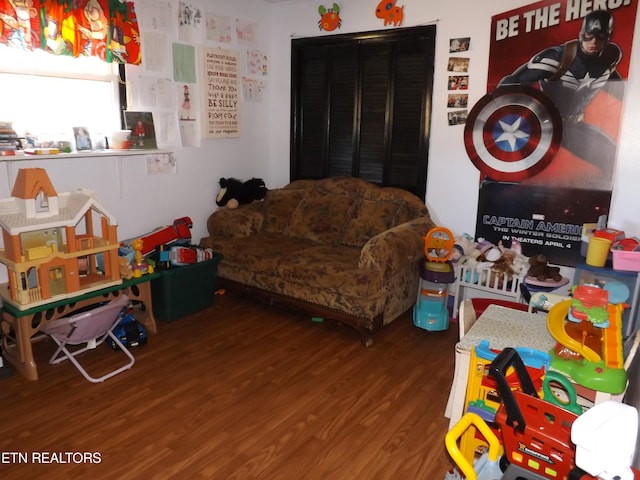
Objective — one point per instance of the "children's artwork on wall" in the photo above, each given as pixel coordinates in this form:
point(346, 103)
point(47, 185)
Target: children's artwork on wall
point(390, 12)
point(246, 32)
point(218, 28)
point(83, 139)
point(257, 62)
point(167, 127)
point(329, 18)
point(189, 134)
point(184, 63)
point(190, 22)
point(155, 16)
point(252, 89)
point(154, 54)
point(460, 44)
point(143, 132)
point(185, 94)
point(160, 163)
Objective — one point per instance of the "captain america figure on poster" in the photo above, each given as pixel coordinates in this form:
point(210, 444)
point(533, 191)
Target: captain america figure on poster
point(545, 137)
point(571, 75)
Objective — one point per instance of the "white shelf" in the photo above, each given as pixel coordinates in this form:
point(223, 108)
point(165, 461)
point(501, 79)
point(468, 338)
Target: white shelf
point(87, 154)
point(117, 156)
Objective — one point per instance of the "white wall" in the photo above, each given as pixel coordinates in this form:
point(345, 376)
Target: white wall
point(141, 202)
point(452, 189)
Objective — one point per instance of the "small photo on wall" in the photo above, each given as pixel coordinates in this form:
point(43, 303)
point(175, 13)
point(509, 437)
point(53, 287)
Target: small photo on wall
point(458, 82)
point(457, 100)
point(458, 117)
point(458, 64)
point(460, 44)
point(143, 133)
point(83, 139)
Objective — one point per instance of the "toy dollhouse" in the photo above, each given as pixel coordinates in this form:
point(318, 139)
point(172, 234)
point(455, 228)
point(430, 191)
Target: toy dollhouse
point(56, 245)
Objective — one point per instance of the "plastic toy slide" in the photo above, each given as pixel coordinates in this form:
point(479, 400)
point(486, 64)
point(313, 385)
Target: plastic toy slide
point(555, 324)
point(602, 371)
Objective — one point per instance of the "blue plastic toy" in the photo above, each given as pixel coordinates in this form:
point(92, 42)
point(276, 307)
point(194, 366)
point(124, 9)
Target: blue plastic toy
point(436, 272)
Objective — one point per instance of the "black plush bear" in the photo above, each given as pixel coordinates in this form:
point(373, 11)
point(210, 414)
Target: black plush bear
point(234, 192)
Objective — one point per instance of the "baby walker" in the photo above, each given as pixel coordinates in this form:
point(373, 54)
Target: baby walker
point(436, 272)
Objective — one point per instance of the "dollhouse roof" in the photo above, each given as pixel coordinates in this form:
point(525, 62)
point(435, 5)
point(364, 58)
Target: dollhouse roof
point(30, 181)
point(72, 206)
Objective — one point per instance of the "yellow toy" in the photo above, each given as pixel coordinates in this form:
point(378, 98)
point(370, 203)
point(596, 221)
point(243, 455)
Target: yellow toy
point(139, 265)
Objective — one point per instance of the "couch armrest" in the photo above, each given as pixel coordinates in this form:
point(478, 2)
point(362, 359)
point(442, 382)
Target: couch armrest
point(394, 249)
point(243, 221)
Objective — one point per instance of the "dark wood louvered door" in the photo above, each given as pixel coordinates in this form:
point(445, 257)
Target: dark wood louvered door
point(361, 106)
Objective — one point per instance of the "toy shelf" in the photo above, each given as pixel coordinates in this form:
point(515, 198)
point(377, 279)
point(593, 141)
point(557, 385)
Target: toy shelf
point(97, 153)
point(472, 278)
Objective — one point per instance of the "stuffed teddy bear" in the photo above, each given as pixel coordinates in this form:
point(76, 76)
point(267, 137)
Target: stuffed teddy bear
point(463, 247)
point(510, 264)
point(234, 192)
point(126, 271)
point(541, 271)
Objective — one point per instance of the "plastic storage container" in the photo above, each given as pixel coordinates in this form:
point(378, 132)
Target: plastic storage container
point(181, 291)
point(625, 260)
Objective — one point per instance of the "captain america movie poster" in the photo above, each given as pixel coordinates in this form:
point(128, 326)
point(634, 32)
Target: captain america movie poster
point(545, 136)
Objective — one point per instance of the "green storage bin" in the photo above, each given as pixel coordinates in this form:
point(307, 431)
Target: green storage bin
point(181, 291)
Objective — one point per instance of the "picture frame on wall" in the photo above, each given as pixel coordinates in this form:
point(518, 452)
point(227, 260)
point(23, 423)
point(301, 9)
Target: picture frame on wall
point(143, 133)
point(83, 139)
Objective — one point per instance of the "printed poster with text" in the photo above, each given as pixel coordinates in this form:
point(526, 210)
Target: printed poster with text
point(220, 93)
point(545, 136)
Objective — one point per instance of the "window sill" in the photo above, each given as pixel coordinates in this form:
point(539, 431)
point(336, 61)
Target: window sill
point(88, 154)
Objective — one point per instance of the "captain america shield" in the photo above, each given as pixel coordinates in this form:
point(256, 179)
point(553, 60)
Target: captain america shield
point(513, 133)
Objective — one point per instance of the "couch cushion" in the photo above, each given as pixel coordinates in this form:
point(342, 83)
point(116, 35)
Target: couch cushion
point(368, 219)
point(404, 214)
point(278, 208)
point(257, 253)
point(320, 218)
point(330, 268)
point(239, 222)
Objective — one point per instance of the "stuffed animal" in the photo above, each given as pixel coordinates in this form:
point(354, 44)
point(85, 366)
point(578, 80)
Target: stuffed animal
point(234, 192)
point(463, 247)
point(126, 271)
point(541, 271)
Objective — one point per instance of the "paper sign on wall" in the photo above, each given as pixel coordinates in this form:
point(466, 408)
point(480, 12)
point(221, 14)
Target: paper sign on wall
point(220, 93)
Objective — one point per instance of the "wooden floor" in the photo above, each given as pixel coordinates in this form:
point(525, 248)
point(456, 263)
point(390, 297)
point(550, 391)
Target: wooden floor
point(239, 391)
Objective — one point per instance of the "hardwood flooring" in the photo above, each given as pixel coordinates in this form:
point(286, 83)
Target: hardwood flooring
point(238, 391)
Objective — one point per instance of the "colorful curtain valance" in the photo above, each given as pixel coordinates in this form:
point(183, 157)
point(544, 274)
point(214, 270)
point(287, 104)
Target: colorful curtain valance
point(107, 29)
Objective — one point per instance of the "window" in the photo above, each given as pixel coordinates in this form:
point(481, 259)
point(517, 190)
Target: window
point(361, 106)
point(46, 95)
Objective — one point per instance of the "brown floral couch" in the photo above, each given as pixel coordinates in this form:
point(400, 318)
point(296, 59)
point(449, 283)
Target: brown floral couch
point(338, 248)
